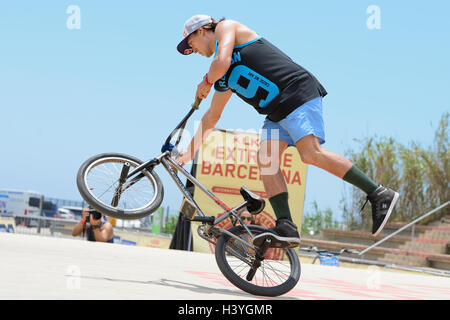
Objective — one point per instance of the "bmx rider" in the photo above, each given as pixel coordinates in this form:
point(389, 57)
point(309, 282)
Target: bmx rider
point(290, 97)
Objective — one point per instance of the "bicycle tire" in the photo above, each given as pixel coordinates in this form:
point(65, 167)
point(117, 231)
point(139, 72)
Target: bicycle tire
point(243, 284)
point(105, 207)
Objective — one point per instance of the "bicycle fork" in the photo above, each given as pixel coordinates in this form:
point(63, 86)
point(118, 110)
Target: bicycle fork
point(124, 175)
point(122, 179)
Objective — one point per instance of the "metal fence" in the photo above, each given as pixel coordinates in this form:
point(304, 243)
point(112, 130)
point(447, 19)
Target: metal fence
point(43, 226)
point(59, 227)
point(404, 228)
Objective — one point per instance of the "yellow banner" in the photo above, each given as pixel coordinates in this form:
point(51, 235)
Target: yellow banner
point(137, 239)
point(228, 160)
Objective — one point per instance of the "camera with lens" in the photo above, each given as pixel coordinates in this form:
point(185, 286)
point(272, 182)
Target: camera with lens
point(95, 214)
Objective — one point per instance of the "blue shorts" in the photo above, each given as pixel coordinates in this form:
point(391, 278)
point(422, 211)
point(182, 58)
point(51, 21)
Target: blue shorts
point(305, 120)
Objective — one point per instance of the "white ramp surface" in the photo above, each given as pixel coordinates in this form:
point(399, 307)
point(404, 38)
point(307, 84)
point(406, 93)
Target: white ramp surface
point(34, 267)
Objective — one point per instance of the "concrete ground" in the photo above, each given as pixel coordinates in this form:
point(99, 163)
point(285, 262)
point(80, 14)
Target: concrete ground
point(36, 267)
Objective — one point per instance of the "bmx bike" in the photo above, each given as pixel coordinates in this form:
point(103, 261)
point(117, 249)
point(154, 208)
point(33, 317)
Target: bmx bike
point(124, 187)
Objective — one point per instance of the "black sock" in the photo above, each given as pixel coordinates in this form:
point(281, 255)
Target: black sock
point(357, 178)
point(280, 206)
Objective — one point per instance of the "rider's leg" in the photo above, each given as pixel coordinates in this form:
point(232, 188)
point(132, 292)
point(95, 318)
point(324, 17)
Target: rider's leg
point(285, 233)
point(382, 199)
point(305, 126)
point(269, 159)
point(312, 153)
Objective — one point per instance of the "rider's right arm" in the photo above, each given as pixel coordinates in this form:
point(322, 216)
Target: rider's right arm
point(209, 120)
point(226, 37)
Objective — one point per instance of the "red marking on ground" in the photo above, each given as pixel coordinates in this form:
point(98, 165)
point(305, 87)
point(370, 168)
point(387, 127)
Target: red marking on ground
point(382, 291)
point(422, 286)
point(359, 290)
point(406, 297)
point(220, 279)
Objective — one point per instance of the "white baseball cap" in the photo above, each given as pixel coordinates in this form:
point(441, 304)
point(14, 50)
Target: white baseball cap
point(191, 25)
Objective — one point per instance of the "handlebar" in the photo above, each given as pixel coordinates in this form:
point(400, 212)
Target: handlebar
point(167, 145)
point(180, 126)
point(196, 103)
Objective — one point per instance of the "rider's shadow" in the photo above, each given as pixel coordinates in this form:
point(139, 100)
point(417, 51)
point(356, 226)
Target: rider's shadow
point(189, 286)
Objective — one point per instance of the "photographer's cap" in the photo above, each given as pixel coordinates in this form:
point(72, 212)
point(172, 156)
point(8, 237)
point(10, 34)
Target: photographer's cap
point(192, 24)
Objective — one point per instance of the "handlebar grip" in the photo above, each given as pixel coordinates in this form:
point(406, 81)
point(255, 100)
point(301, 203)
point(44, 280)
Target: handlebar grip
point(196, 103)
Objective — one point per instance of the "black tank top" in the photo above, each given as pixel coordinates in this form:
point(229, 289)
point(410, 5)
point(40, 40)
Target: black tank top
point(266, 78)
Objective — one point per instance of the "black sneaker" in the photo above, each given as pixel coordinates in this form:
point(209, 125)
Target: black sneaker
point(283, 235)
point(383, 201)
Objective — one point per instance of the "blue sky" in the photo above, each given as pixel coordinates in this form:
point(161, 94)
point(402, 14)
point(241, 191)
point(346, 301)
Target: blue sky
point(118, 83)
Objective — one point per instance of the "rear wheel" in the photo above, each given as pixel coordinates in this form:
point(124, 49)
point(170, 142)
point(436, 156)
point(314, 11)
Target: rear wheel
point(98, 182)
point(277, 274)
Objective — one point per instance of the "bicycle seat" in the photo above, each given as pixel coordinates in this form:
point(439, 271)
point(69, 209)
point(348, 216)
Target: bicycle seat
point(255, 204)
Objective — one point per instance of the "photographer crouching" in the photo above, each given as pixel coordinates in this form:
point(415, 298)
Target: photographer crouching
point(94, 226)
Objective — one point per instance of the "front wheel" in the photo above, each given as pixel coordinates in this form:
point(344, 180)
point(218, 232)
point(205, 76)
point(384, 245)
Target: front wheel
point(277, 273)
point(98, 184)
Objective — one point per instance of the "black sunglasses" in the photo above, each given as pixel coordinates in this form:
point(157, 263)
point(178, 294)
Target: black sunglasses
point(247, 218)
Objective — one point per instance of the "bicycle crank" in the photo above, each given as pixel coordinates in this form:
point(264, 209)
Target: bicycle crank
point(259, 257)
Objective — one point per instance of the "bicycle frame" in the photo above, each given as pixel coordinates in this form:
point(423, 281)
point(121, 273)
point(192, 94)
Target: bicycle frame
point(169, 164)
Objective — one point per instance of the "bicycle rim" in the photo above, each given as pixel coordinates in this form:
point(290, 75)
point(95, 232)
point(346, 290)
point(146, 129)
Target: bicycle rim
point(279, 271)
point(101, 179)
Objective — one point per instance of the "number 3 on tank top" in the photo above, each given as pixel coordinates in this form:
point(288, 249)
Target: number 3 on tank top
point(252, 85)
